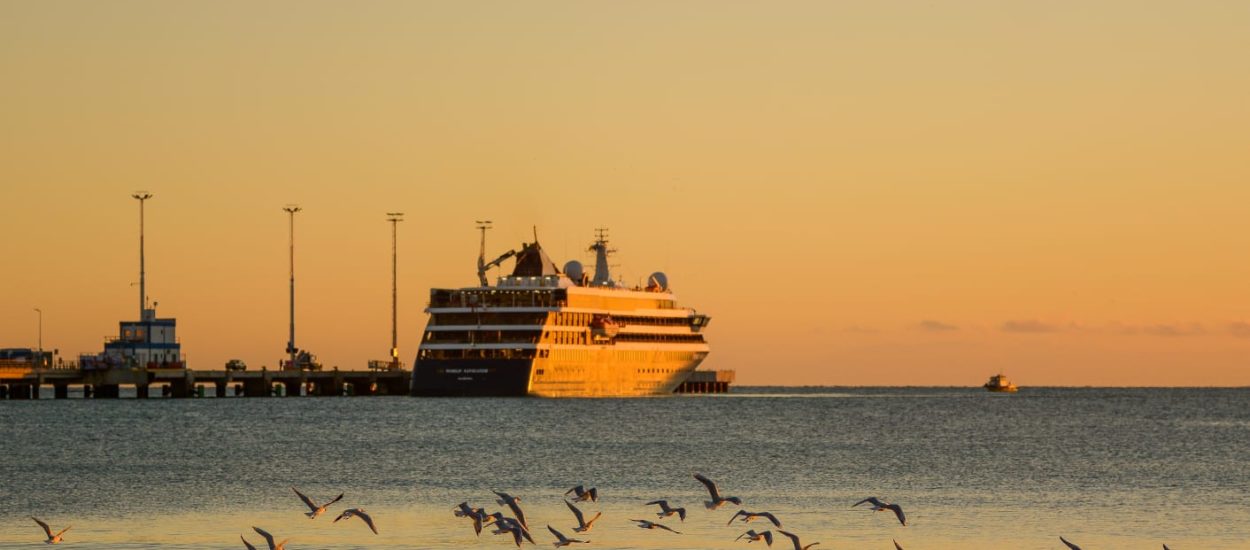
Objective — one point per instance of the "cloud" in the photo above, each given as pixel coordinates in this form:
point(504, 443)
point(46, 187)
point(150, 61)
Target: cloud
point(1240, 329)
point(1191, 329)
point(1029, 326)
point(935, 326)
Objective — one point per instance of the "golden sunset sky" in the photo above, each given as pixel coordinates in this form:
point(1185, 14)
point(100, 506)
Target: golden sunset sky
point(896, 193)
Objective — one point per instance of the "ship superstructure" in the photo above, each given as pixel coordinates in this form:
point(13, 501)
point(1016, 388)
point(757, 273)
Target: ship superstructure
point(547, 332)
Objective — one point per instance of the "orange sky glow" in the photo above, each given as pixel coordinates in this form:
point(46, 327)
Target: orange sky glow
point(858, 193)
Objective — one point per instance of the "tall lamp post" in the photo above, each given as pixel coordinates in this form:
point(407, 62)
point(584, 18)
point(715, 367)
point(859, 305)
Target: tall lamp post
point(40, 311)
point(394, 218)
point(141, 196)
point(291, 209)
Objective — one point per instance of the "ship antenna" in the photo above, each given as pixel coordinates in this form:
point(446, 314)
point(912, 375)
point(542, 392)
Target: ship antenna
point(535, 233)
point(483, 225)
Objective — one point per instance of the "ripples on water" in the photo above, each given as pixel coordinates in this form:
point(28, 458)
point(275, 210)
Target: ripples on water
point(1106, 468)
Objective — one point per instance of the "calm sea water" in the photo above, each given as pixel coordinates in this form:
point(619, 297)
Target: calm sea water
point(1105, 468)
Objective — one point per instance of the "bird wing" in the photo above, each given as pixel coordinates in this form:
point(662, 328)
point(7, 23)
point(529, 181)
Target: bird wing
point(870, 500)
point(898, 511)
point(559, 535)
point(662, 503)
point(771, 518)
point(62, 531)
point(578, 513)
point(312, 506)
point(681, 513)
point(263, 533)
point(345, 515)
point(711, 486)
point(576, 490)
point(516, 536)
point(793, 538)
point(594, 495)
point(246, 543)
point(768, 537)
point(477, 525)
point(592, 520)
point(46, 529)
point(336, 499)
point(1069, 545)
point(520, 516)
point(735, 516)
point(666, 528)
point(896, 545)
point(368, 520)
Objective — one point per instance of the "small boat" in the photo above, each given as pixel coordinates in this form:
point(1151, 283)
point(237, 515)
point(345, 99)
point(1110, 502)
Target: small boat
point(1000, 383)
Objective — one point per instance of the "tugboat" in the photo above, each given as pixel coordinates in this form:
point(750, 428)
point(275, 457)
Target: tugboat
point(1000, 383)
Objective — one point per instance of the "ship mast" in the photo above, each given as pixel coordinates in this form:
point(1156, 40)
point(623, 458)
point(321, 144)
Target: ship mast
point(603, 276)
point(483, 225)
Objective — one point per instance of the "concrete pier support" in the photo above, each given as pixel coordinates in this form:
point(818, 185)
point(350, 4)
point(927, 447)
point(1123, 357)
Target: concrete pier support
point(219, 389)
point(19, 391)
point(141, 391)
point(4, 391)
point(291, 388)
point(256, 387)
point(34, 391)
point(106, 391)
point(60, 391)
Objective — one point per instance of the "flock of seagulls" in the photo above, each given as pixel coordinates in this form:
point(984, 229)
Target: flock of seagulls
point(314, 510)
point(518, 529)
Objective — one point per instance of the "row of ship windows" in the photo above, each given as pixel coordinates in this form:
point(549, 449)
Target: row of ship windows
point(558, 355)
point(477, 354)
point(588, 355)
point(559, 318)
point(532, 337)
point(496, 298)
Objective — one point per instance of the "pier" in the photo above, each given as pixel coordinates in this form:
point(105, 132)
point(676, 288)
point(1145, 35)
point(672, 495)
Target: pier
point(22, 381)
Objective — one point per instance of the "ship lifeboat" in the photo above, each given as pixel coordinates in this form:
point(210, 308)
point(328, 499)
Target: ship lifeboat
point(603, 328)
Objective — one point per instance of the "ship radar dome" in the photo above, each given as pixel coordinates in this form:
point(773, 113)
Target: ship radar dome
point(658, 281)
point(574, 270)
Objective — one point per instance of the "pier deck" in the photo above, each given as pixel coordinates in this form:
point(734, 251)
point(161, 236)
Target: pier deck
point(24, 382)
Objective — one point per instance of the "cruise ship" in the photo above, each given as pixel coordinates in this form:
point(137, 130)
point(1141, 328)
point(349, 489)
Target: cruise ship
point(547, 332)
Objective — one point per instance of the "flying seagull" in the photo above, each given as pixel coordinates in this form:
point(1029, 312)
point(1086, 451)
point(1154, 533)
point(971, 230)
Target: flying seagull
point(360, 513)
point(666, 510)
point(1068, 544)
point(513, 503)
point(878, 505)
point(269, 539)
point(752, 536)
point(562, 540)
point(748, 516)
point(717, 500)
point(652, 525)
point(583, 494)
point(52, 539)
point(314, 509)
point(582, 524)
point(513, 527)
point(795, 539)
point(478, 515)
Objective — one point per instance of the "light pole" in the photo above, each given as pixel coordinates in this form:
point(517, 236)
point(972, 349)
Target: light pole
point(291, 209)
point(394, 218)
point(141, 196)
point(40, 336)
